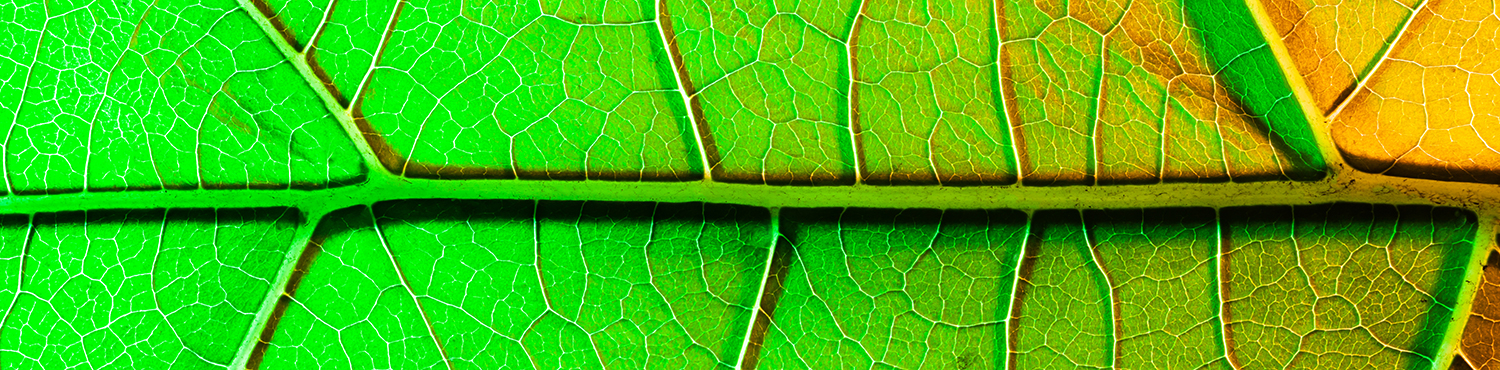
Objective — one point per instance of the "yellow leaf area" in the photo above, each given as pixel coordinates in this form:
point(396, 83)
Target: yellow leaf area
point(1409, 87)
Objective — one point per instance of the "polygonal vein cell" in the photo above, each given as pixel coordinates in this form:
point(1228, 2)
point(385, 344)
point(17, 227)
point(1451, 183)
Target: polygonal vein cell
point(150, 95)
point(901, 288)
point(1430, 109)
point(519, 284)
point(173, 289)
point(1342, 286)
point(549, 90)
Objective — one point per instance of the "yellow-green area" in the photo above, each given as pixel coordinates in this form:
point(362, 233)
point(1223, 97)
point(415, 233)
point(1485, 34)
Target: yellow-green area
point(927, 95)
point(1354, 286)
point(772, 80)
point(907, 289)
point(817, 92)
point(486, 284)
point(1149, 91)
point(1163, 267)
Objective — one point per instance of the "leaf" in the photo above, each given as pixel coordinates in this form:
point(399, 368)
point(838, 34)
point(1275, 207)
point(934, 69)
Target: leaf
point(565, 284)
point(266, 184)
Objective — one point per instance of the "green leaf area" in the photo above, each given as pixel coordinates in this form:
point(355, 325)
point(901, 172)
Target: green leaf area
point(543, 284)
point(817, 92)
point(114, 95)
point(175, 94)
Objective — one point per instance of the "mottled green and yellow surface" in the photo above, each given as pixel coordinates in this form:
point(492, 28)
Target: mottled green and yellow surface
point(693, 184)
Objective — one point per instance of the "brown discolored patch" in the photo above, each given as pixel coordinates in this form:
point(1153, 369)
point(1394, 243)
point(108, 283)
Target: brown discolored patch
point(452, 172)
point(824, 178)
point(1481, 338)
point(575, 175)
point(1460, 363)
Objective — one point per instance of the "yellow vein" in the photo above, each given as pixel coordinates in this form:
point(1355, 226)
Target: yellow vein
point(1223, 303)
point(850, 54)
point(385, 39)
point(312, 40)
point(1010, 129)
point(1114, 299)
point(1093, 166)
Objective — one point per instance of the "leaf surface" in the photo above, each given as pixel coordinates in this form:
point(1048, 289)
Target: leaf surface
point(171, 94)
point(271, 184)
point(563, 284)
point(1408, 86)
point(138, 289)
